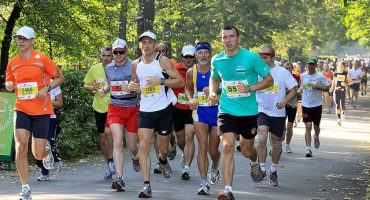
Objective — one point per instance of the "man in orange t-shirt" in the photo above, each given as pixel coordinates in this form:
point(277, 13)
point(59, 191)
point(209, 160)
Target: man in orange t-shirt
point(28, 75)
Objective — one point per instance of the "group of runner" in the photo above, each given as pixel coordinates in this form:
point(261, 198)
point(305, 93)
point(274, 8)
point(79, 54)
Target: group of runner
point(234, 93)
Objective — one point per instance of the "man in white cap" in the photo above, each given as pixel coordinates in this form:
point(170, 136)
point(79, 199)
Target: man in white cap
point(33, 106)
point(122, 109)
point(182, 115)
point(154, 75)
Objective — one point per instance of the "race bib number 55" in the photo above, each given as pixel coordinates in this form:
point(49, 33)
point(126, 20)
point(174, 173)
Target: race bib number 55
point(231, 90)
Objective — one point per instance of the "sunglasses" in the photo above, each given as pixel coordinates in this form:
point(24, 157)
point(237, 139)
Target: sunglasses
point(119, 52)
point(187, 57)
point(265, 57)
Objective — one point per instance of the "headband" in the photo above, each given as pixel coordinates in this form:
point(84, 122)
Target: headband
point(199, 47)
point(266, 54)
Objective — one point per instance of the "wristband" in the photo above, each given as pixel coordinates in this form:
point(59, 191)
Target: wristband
point(163, 81)
point(250, 88)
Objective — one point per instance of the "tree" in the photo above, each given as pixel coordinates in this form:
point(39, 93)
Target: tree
point(10, 23)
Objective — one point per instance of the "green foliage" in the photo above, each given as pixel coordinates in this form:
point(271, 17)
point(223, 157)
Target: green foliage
point(79, 136)
point(357, 20)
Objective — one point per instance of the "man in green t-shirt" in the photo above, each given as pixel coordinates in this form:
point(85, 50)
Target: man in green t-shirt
point(93, 82)
point(238, 70)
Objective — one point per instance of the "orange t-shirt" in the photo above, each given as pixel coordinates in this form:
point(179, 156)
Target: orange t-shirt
point(29, 77)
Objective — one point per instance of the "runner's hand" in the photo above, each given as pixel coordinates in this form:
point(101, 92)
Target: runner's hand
point(152, 80)
point(9, 86)
point(241, 87)
point(193, 104)
point(42, 93)
point(134, 86)
point(95, 86)
point(206, 91)
point(212, 99)
point(280, 105)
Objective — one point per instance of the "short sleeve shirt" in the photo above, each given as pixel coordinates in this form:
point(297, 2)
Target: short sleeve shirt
point(245, 66)
point(29, 77)
point(97, 74)
point(269, 97)
point(310, 97)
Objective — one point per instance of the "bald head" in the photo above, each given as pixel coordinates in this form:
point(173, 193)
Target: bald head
point(162, 47)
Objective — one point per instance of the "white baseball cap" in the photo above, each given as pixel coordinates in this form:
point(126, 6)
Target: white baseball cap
point(119, 43)
point(188, 50)
point(148, 34)
point(26, 32)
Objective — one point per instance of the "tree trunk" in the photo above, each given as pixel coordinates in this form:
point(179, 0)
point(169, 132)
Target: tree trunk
point(5, 44)
point(145, 19)
point(123, 20)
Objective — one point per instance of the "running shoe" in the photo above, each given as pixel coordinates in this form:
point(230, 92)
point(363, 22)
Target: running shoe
point(43, 177)
point(173, 152)
point(118, 185)
point(58, 166)
point(157, 169)
point(295, 124)
point(25, 194)
point(288, 149)
point(111, 168)
point(136, 164)
point(166, 170)
point(309, 153)
point(185, 174)
point(226, 195)
point(343, 116)
point(339, 122)
point(214, 176)
point(204, 188)
point(256, 173)
point(274, 179)
point(317, 141)
point(48, 161)
point(146, 192)
point(107, 175)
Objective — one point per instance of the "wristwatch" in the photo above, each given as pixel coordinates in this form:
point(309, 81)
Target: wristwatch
point(250, 88)
point(49, 88)
point(163, 81)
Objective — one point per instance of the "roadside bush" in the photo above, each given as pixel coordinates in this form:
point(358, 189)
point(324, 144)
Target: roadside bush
point(78, 136)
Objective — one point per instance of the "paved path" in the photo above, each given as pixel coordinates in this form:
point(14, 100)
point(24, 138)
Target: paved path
point(339, 170)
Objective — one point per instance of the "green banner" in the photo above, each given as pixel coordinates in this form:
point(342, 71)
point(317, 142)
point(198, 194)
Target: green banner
point(6, 125)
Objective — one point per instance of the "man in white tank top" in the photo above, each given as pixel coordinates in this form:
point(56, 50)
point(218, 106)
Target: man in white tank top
point(154, 75)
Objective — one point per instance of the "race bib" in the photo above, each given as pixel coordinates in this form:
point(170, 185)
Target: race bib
point(308, 84)
point(151, 91)
point(202, 99)
point(341, 77)
point(271, 90)
point(231, 90)
point(116, 88)
point(182, 98)
point(27, 90)
point(101, 82)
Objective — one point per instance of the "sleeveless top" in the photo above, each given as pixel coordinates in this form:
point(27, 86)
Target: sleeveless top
point(153, 97)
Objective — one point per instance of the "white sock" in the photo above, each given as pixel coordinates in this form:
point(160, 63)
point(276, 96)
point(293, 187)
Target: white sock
point(308, 147)
point(228, 188)
point(187, 167)
point(253, 163)
point(273, 167)
point(263, 166)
